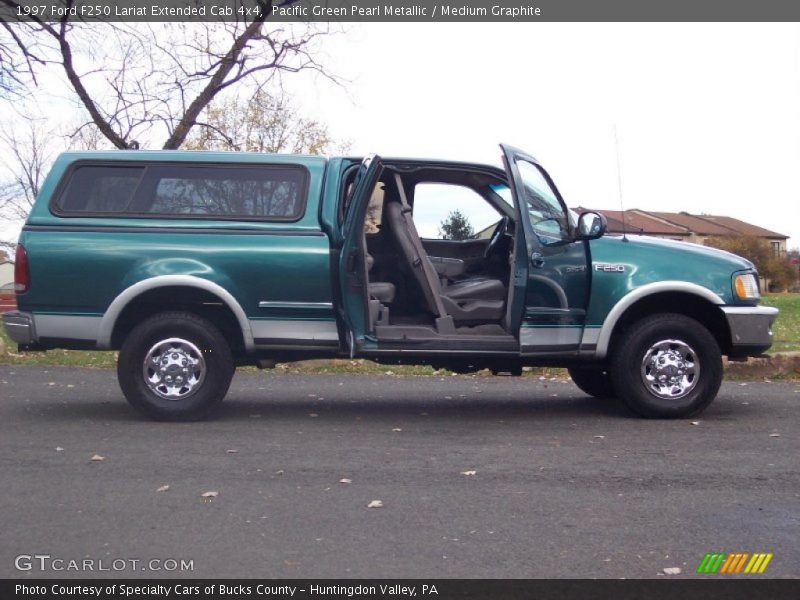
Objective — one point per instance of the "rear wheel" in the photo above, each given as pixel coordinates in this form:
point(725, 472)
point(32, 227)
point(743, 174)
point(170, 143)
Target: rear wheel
point(595, 381)
point(175, 366)
point(667, 366)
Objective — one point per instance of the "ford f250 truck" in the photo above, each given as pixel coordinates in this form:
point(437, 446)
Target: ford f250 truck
point(191, 263)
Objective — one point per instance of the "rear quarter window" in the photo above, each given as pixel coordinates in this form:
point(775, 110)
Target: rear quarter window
point(263, 192)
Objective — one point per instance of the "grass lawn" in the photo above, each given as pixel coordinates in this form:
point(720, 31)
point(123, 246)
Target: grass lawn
point(787, 326)
point(787, 337)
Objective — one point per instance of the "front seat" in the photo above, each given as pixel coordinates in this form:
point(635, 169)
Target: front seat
point(478, 299)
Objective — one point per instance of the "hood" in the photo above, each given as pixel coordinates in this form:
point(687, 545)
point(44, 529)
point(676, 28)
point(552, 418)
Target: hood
point(684, 250)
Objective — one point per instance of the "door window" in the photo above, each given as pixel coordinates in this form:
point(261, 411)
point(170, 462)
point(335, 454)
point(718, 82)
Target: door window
point(444, 211)
point(547, 215)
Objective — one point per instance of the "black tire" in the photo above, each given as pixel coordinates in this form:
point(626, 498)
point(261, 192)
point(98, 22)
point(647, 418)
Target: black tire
point(691, 366)
point(192, 371)
point(595, 381)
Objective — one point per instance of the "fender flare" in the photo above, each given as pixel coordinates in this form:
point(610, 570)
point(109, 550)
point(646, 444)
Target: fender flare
point(129, 294)
point(613, 316)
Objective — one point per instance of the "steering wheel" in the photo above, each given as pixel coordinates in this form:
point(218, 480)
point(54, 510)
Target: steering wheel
point(499, 231)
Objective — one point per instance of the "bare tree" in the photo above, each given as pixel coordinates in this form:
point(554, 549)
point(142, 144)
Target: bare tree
point(29, 152)
point(264, 122)
point(137, 81)
point(16, 61)
point(32, 153)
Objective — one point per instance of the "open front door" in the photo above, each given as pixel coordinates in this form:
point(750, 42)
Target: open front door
point(353, 279)
point(555, 266)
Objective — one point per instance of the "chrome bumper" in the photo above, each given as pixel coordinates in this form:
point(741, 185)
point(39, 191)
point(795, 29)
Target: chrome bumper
point(751, 328)
point(19, 327)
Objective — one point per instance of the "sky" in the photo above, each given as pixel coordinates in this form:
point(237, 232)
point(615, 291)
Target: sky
point(707, 116)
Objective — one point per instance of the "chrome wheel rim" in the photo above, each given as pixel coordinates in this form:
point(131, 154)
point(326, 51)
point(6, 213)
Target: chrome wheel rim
point(174, 369)
point(670, 369)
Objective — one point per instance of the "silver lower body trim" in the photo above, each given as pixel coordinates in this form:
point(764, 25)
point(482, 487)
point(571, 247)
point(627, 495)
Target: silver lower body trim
point(750, 325)
point(275, 331)
point(549, 339)
point(67, 327)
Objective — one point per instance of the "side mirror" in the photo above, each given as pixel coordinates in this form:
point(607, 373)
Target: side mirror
point(591, 225)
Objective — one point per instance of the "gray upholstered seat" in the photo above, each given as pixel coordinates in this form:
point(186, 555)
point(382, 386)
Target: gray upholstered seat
point(383, 291)
point(479, 299)
point(475, 289)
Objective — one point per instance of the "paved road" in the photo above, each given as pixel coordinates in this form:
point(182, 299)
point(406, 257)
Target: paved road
point(564, 485)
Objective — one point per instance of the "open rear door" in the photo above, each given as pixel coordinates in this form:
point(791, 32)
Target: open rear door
point(556, 284)
point(353, 277)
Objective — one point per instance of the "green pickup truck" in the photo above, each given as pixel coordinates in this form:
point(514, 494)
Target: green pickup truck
point(191, 263)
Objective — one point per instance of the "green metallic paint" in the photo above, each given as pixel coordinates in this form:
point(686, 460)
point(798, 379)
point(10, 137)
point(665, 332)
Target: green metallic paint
point(650, 260)
point(315, 165)
point(254, 260)
point(556, 283)
point(300, 262)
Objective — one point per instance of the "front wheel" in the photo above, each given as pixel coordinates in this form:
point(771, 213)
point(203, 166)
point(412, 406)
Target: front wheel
point(175, 366)
point(666, 366)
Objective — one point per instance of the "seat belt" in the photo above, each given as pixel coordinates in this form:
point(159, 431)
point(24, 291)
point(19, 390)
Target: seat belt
point(421, 257)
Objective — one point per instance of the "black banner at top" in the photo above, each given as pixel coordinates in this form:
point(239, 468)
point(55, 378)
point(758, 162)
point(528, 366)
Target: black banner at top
point(411, 11)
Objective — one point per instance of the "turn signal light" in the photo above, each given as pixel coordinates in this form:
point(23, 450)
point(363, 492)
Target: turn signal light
point(746, 287)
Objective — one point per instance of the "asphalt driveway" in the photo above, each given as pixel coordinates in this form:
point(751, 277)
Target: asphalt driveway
point(478, 477)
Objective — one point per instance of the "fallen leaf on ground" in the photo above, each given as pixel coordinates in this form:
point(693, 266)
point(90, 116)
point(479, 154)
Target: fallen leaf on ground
point(345, 480)
point(59, 449)
point(672, 570)
point(599, 437)
point(468, 472)
point(774, 435)
point(97, 457)
point(313, 415)
point(397, 429)
point(209, 494)
point(695, 422)
point(232, 451)
point(375, 504)
point(163, 488)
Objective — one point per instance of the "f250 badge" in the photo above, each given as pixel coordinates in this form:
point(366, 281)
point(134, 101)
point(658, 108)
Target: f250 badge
point(609, 268)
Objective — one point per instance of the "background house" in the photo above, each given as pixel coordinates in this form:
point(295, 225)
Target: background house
point(6, 271)
point(7, 297)
point(686, 227)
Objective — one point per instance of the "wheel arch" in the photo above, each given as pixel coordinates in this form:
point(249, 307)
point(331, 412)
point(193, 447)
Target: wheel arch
point(109, 325)
point(689, 299)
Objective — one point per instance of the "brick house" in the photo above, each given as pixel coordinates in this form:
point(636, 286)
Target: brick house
point(687, 227)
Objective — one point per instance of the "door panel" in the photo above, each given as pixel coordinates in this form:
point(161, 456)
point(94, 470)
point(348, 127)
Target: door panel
point(353, 276)
point(557, 282)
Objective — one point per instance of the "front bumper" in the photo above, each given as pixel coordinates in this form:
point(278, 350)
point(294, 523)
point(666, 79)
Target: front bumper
point(751, 328)
point(19, 327)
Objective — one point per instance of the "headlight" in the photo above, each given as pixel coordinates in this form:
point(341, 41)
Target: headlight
point(746, 287)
